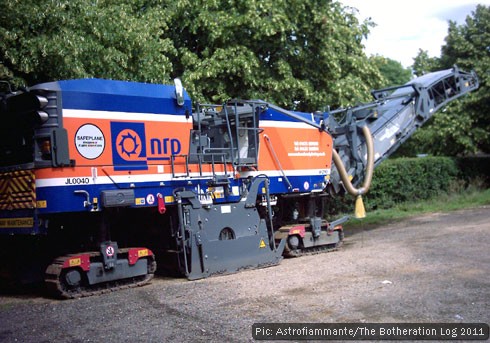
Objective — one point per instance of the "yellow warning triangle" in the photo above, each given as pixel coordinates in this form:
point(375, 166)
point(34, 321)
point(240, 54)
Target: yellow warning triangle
point(262, 244)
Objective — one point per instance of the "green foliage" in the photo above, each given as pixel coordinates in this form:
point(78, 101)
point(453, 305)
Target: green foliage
point(468, 46)
point(464, 127)
point(47, 40)
point(401, 180)
point(468, 198)
point(423, 64)
point(302, 54)
point(410, 179)
point(298, 54)
point(392, 71)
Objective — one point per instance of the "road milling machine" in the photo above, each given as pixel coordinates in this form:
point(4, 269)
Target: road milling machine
point(101, 180)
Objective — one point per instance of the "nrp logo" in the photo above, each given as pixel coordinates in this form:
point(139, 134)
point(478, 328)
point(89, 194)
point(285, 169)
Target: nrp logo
point(128, 146)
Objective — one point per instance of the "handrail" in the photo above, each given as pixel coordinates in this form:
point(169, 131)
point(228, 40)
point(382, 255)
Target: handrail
point(274, 155)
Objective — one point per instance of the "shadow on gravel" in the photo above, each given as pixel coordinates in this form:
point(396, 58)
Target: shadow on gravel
point(26, 291)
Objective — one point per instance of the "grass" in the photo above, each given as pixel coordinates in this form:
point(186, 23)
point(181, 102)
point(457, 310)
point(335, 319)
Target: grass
point(469, 198)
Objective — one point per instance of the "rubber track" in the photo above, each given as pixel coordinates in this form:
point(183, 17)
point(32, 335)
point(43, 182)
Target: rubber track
point(314, 250)
point(56, 288)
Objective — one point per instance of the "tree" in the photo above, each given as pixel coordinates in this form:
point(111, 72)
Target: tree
point(464, 126)
point(392, 71)
point(423, 64)
point(468, 46)
point(302, 54)
point(47, 40)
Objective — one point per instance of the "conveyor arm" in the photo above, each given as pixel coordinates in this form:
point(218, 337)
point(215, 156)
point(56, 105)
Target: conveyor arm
point(391, 118)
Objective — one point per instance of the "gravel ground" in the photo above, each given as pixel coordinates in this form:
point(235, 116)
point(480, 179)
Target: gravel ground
point(433, 268)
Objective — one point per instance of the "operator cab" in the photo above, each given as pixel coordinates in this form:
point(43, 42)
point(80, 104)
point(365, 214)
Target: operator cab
point(226, 134)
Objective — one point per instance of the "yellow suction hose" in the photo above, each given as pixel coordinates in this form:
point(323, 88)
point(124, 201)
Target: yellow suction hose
point(358, 192)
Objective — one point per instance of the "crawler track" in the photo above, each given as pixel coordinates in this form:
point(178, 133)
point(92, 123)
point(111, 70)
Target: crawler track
point(56, 287)
point(288, 252)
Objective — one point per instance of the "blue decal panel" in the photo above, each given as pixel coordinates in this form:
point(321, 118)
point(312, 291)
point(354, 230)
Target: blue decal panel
point(129, 146)
point(111, 95)
point(134, 147)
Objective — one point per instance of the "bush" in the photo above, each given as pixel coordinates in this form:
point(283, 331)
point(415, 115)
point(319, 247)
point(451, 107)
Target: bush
point(400, 180)
point(410, 179)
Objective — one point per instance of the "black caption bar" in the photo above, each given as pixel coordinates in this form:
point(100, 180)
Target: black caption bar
point(370, 331)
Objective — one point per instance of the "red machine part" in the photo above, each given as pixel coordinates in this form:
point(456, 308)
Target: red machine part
point(161, 204)
point(298, 230)
point(134, 254)
point(82, 261)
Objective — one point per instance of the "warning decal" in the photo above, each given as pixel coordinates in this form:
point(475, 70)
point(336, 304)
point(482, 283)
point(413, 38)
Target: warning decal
point(74, 262)
point(150, 199)
point(109, 251)
point(262, 243)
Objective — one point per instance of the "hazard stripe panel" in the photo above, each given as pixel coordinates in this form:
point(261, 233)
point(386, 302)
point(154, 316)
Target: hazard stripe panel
point(17, 190)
